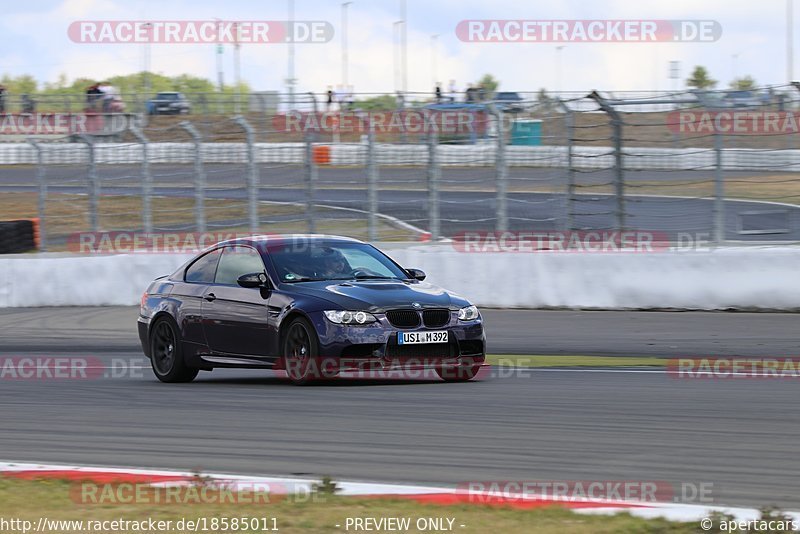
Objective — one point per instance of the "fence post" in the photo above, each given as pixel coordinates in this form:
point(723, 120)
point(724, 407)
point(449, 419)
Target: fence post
point(719, 192)
point(401, 109)
point(41, 180)
point(619, 179)
point(372, 185)
point(147, 183)
point(199, 177)
point(501, 173)
point(94, 184)
point(433, 179)
point(569, 123)
point(263, 104)
point(311, 181)
point(252, 175)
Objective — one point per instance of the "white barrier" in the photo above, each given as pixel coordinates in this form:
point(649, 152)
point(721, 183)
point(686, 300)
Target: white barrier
point(739, 278)
point(481, 155)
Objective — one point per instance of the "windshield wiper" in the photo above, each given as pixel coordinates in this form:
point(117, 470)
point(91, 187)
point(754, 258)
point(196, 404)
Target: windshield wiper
point(303, 279)
point(373, 277)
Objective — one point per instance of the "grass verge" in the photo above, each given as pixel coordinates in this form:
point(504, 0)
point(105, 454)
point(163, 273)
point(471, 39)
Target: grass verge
point(31, 500)
point(68, 214)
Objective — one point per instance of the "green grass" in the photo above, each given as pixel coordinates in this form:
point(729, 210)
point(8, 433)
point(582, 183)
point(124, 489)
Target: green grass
point(513, 360)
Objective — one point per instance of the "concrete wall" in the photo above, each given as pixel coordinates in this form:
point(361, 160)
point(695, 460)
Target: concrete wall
point(735, 278)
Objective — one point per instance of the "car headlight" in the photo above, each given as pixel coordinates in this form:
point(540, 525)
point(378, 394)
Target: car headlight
point(470, 313)
point(350, 317)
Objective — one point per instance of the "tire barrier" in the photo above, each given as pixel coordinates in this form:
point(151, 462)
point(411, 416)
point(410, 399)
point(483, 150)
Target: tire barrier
point(19, 236)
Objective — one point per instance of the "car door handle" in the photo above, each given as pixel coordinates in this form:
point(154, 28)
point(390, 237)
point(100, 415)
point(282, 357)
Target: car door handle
point(210, 297)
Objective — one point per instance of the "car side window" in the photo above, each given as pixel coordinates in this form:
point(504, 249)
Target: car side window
point(202, 271)
point(235, 262)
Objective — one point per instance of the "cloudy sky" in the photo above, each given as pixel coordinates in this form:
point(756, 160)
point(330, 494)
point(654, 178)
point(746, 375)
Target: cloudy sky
point(753, 41)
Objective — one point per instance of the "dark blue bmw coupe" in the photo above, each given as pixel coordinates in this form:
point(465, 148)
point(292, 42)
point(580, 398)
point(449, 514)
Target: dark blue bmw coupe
point(310, 305)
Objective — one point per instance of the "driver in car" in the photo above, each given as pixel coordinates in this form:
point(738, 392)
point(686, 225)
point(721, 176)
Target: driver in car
point(334, 264)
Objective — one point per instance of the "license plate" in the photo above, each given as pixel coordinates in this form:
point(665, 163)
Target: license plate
point(419, 338)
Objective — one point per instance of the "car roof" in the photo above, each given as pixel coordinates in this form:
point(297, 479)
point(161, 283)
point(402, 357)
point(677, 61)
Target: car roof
point(283, 238)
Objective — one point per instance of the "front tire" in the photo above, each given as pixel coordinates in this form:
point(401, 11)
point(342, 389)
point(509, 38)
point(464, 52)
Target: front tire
point(166, 355)
point(301, 354)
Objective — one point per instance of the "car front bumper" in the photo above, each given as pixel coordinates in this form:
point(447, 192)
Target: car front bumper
point(375, 346)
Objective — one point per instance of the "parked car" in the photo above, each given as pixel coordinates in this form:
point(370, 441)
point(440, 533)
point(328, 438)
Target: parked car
point(310, 305)
point(509, 102)
point(168, 103)
point(742, 99)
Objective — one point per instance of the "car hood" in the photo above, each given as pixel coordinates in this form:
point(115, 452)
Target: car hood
point(380, 295)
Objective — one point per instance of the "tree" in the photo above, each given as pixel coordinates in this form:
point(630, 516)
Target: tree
point(700, 79)
point(490, 83)
point(544, 98)
point(377, 103)
point(24, 84)
point(745, 83)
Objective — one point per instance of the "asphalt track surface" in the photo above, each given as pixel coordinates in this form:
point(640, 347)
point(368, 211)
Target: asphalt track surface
point(467, 197)
point(740, 435)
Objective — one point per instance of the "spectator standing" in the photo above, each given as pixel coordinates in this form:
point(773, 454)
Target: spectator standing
point(92, 95)
point(438, 93)
point(329, 98)
point(106, 95)
point(469, 94)
point(2, 98)
point(28, 104)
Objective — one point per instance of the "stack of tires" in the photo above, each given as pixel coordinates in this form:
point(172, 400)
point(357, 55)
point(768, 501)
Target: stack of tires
point(18, 236)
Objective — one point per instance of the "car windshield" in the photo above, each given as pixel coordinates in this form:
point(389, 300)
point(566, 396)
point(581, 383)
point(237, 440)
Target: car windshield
point(167, 96)
point(305, 262)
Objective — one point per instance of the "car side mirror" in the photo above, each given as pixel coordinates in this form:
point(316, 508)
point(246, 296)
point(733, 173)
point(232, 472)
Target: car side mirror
point(253, 280)
point(416, 274)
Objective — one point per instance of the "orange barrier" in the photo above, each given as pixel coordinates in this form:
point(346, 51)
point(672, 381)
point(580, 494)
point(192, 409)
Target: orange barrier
point(36, 240)
point(321, 154)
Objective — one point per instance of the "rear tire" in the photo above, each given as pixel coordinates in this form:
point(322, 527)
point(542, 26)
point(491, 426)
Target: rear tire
point(458, 374)
point(166, 355)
